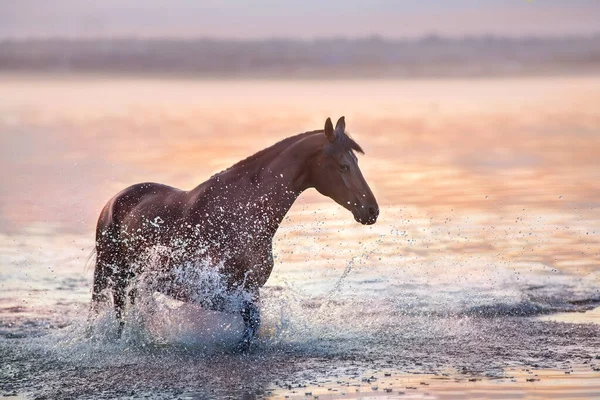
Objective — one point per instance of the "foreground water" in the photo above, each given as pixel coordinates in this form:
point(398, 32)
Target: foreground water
point(472, 283)
point(369, 317)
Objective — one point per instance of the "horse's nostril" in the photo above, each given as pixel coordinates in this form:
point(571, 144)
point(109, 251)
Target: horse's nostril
point(373, 211)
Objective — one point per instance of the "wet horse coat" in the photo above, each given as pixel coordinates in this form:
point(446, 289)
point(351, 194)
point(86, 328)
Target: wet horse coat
point(231, 218)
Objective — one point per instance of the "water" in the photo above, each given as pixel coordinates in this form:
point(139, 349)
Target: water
point(361, 314)
point(484, 242)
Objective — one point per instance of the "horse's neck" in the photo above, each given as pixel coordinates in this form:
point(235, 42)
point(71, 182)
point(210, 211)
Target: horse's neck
point(265, 191)
point(284, 178)
point(277, 187)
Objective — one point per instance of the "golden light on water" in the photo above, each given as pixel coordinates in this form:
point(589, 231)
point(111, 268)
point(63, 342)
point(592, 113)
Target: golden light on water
point(523, 152)
point(447, 143)
point(485, 186)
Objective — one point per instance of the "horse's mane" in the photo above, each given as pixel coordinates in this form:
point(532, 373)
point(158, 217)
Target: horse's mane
point(341, 143)
point(271, 150)
point(276, 148)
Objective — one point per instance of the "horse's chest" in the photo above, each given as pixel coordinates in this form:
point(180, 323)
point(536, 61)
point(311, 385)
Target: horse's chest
point(250, 266)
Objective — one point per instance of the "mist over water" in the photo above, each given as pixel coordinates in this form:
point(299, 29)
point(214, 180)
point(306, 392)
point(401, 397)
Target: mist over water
point(489, 220)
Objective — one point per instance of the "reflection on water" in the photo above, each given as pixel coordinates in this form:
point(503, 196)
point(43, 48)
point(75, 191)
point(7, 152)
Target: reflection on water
point(485, 145)
point(489, 213)
point(513, 160)
point(517, 383)
point(585, 317)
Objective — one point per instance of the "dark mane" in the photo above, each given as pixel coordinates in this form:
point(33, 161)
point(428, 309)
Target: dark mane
point(343, 143)
point(271, 150)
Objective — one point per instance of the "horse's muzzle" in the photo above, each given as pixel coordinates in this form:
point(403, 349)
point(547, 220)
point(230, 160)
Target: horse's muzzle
point(366, 215)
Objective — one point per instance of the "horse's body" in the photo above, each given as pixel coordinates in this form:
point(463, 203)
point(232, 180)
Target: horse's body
point(231, 218)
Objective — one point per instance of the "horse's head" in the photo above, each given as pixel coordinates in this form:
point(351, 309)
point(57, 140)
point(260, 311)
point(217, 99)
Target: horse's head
point(336, 174)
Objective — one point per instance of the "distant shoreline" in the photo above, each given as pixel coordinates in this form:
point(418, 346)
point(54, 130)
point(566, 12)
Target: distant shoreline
point(367, 58)
point(32, 75)
point(131, 75)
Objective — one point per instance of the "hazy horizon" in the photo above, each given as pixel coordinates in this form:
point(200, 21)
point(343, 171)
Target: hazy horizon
point(297, 19)
point(343, 58)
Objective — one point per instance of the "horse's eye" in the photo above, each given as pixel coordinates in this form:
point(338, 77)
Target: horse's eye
point(344, 168)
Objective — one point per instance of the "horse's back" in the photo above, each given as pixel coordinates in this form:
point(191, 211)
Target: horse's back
point(135, 198)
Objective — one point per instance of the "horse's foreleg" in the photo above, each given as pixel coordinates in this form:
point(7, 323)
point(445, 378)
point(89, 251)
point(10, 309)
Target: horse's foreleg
point(251, 317)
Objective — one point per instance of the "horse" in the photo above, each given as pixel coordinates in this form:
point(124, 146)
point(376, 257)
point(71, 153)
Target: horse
point(232, 218)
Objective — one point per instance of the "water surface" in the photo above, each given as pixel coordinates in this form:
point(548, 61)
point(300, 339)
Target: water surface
point(489, 227)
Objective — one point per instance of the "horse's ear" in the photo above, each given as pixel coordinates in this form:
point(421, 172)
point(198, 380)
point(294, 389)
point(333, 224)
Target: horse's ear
point(340, 126)
point(329, 132)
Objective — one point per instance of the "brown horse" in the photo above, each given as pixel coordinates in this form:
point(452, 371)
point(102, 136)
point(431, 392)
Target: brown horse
point(232, 218)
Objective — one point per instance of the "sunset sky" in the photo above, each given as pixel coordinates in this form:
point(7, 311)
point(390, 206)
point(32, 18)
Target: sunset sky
point(296, 18)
